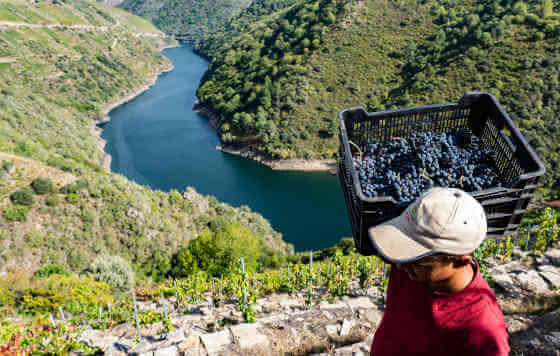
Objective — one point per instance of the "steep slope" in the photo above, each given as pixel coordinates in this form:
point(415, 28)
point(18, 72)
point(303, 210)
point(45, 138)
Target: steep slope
point(188, 19)
point(61, 64)
point(384, 54)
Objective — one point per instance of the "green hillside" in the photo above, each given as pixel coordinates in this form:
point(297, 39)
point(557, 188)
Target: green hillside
point(278, 85)
point(61, 63)
point(191, 19)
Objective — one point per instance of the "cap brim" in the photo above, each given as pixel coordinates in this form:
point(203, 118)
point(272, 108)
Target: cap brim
point(392, 240)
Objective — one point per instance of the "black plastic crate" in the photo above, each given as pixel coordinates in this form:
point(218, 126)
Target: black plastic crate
point(517, 165)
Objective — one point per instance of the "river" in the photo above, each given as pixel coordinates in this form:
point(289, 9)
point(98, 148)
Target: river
point(157, 140)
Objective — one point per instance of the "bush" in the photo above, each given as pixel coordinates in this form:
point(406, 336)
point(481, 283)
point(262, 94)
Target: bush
point(53, 200)
point(73, 198)
point(16, 212)
point(217, 252)
point(41, 185)
point(113, 270)
point(74, 294)
point(22, 196)
point(48, 270)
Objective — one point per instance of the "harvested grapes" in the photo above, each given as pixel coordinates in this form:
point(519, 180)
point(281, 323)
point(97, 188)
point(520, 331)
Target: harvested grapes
point(404, 168)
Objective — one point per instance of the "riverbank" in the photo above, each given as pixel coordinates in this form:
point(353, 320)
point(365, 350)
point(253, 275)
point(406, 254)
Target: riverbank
point(314, 165)
point(104, 117)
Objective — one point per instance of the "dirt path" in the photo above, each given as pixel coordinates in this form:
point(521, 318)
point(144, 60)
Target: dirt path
point(11, 24)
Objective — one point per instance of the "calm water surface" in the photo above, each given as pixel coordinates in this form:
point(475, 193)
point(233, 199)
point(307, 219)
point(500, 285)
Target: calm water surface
point(157, 140)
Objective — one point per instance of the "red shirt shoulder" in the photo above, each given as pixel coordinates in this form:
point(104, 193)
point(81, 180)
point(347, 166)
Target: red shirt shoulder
point(469, 322)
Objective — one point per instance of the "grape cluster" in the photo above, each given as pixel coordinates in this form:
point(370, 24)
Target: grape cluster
point(405, 168)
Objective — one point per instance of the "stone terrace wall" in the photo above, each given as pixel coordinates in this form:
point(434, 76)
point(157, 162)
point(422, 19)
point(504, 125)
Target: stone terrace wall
point(527, 288)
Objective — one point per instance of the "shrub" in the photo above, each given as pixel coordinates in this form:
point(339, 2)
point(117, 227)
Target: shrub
point(73, 198)
point(74, 294)
point(22, 196)
point(113, 270)
point(41, 185)
point(217, 252)
point(16, 212)
point(53, 200)
point(46, 271)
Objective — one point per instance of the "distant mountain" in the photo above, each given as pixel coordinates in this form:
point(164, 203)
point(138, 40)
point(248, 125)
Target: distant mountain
point(188, 19)
point(277, 84)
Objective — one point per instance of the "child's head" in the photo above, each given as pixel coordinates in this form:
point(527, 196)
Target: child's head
point(443, 223)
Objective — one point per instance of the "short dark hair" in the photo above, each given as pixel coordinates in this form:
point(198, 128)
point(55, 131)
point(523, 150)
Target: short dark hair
point(443, 257)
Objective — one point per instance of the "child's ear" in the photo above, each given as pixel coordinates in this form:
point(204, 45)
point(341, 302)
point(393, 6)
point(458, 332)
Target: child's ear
point(463, 261)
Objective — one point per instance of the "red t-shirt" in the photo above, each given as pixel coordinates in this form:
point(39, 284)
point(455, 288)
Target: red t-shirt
point(418, 321)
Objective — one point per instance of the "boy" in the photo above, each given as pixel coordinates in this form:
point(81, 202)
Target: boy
point(437, 301)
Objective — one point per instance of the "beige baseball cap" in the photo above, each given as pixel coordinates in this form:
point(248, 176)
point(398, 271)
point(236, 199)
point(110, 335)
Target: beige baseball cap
point(445, 220)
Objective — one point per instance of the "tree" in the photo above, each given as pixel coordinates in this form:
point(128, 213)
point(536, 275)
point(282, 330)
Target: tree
point(218, 251)
point(547, 9)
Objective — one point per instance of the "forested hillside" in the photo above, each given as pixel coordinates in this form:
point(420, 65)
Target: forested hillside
point(277, 85)
point(190, 19)
point(61, 63)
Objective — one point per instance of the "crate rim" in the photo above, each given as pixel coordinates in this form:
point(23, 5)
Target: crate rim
point(465, 101)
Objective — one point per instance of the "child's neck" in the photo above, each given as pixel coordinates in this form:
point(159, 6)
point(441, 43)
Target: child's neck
point(457, 282)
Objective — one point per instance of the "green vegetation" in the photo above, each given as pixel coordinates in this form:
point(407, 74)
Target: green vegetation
point(188, 19)
point(113, 270)
point(22, 196)
point(253, 83)
point(336, 270)
point(57, 204)
point(218, 251)
point(381, 55)
point(42, 185)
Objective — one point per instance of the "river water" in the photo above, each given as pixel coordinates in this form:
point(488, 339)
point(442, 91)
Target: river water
point(157, 140)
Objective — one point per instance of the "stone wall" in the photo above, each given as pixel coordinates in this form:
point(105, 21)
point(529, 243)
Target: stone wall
point(527, 287)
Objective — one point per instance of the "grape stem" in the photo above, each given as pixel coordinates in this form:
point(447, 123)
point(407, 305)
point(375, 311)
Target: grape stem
point(358, 147)
point(423, 174)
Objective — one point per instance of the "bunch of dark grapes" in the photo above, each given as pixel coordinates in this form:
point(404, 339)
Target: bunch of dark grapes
point(405, 168)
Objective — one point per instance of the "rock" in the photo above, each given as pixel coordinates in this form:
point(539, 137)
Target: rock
point(542, 260)
point(531, 281)
point(176, 336)
point(97, 338)
point(550, 274)
point(248, 336)
point(506, 283)
point(511, 267)
point(332, 329)
point(205, 311)
point(553, 256)
point(168, 351)
point(517, 323)
point(358, 349)
point(553, 339)
point(122, 329)
point(134, 213)
point(360, 302)
point(324, 305)
point(215, 342)
point(346, 327)
point(373, 315)
point(144, 348)
point(288, 303)
point(191, 343)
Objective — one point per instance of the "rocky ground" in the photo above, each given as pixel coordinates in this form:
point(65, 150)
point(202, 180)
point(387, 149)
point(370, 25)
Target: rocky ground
point(527, 288)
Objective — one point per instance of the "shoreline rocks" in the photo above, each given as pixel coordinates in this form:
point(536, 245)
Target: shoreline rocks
point(315, 165)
